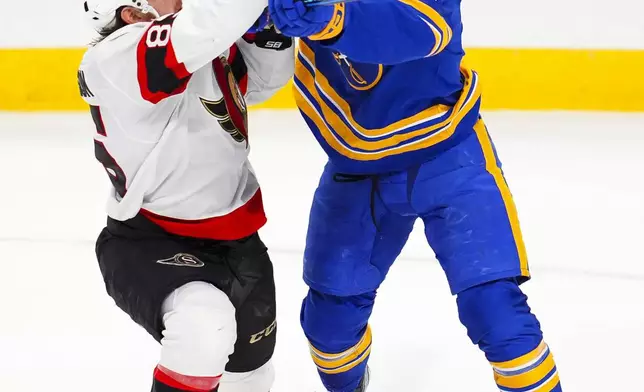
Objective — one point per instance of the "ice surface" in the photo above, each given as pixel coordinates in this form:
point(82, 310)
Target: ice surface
point(578, 180)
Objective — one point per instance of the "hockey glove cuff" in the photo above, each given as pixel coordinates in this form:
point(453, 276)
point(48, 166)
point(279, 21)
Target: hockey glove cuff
point(295, 19)
point(269, 39)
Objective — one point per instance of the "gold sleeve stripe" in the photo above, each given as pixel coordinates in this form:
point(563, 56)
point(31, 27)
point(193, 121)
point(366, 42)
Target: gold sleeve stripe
point(331, 362)
point(344, 107)
point(335, 26)
point(438, 38)
point(529, 358)
point(492, 168)
point(442, 31)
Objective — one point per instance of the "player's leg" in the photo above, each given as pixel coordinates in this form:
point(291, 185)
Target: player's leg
point(346, 259)
point(197, 340)
point(259, 379)
point(199, 333)
point(474, 230)
point(252, 292)
point(193, 320)
point(498, 319)
point(188, 306)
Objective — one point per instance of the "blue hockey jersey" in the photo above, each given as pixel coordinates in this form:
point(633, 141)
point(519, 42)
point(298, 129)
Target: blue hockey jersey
point(383, 87)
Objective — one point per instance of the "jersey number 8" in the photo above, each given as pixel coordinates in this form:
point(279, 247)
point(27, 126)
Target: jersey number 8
point(158, 35)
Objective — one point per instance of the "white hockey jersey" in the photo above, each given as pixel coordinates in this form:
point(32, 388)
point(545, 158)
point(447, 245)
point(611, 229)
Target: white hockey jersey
point(169, 99)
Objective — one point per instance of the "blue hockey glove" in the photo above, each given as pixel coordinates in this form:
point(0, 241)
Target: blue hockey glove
point(295, 19)
point(261, 23)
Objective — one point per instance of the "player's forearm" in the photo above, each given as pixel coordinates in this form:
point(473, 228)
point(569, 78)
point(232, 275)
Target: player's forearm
point(270, 66)
point(204, 29)
point(390, 32)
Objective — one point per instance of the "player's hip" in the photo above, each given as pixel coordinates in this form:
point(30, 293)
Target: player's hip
point(141, 228)
point(138, 258)
point(471, 150)
point(462, 197)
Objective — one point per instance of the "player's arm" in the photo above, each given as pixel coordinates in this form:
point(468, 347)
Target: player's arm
point(383, 31)
point(175, 46)
point(387, 32)
point(268, 61)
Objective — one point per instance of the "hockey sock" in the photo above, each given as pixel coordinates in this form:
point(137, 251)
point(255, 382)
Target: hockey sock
point(339, 337)
point(499, 321)
point(165, 380)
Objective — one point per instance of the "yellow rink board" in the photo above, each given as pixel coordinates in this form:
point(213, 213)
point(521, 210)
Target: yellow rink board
point(522, 79)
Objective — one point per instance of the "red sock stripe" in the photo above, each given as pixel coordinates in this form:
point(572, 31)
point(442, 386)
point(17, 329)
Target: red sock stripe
point(185, 383)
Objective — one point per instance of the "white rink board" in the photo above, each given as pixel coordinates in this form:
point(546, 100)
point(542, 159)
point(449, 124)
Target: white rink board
point(577, 179)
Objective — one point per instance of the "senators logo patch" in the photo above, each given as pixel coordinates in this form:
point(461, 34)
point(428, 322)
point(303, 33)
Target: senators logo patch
point(236, 93)
point(182, 260)
point(360, 76)
point(219, 111)
point(231, 111)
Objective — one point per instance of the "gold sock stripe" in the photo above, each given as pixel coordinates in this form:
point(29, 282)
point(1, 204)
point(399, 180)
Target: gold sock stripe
point(348, 366)
point(527, 378)
point(338, 362)
point(549, 385)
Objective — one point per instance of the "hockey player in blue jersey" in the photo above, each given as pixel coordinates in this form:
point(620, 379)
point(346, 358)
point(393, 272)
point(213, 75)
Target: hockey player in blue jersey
point(383, 88)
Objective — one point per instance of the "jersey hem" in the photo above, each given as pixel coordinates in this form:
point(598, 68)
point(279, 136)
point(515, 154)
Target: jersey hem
point(240, 223)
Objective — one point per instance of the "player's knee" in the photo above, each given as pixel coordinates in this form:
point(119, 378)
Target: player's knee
point(498, 319)
point(259, 380)
point(320, 310)
point(200, 330)
point(337, 327)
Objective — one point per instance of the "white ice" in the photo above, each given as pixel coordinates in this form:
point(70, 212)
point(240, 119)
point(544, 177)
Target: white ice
point(578, 180)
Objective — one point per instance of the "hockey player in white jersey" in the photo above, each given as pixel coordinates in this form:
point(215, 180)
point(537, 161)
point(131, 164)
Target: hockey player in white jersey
point(168, 83)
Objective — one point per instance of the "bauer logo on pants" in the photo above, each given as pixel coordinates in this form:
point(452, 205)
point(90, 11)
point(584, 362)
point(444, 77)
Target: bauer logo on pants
point(182, 260)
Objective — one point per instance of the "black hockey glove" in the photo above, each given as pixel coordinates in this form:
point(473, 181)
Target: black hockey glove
point(269, 38)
